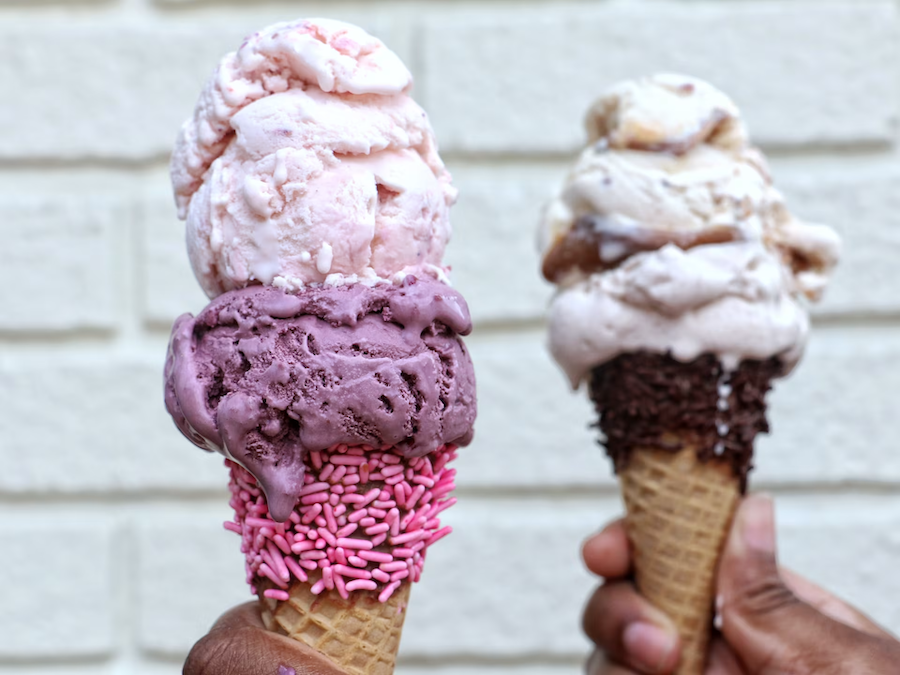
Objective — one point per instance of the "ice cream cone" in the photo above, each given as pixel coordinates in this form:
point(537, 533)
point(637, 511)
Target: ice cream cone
point(361, 635)
point(678, 513)
point(681, 436)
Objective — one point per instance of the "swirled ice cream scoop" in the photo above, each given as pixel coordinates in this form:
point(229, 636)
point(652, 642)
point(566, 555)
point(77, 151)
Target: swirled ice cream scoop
point(307, 161)
point(668, 236)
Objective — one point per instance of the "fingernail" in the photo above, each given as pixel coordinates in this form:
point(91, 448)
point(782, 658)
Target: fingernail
point(757, 522)
point(649, 646)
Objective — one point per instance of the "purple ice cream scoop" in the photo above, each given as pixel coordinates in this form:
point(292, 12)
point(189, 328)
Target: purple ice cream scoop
point(265, 376)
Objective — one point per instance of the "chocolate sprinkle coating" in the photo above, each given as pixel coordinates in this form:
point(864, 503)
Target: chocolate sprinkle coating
point(645, 399)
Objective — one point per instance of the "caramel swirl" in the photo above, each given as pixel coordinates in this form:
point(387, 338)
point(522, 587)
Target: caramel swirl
point(597, 243)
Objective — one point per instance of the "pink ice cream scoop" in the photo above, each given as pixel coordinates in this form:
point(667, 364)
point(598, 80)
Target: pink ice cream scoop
point(306, 161)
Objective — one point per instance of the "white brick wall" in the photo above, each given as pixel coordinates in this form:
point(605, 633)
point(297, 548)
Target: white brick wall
point(110, 522)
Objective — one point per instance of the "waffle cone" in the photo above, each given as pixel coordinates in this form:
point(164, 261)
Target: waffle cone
point(678, 514)
point(360, 635)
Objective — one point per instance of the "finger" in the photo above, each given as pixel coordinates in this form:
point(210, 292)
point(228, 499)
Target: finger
point(769, 628)
point(239, 644)
point(608, 553)
point(722, 661)
point(598, 665)
point(830, 605)
point(630, 631)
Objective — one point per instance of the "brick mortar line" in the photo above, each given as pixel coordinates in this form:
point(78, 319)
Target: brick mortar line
point(855, 151)
point(586, 492)
point(146, 341)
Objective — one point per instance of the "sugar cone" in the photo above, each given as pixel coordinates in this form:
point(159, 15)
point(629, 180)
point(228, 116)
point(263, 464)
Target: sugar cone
point(679, 512)
point(360, 635)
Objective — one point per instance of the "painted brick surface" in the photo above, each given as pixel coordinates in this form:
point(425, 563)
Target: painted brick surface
point(91, 459)
point(493, 252)
point(803, 72)
point(863, 204)
point(94, 424)
point(127, 86)
point(169, 288)
point(61, 251)
point(190, 571)
point(53, 607)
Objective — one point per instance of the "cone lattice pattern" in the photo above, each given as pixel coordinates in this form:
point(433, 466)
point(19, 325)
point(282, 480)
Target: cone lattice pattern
point(361, 634)
point(679, 512)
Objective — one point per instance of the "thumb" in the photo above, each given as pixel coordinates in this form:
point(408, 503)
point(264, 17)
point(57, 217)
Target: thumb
point(767, 626)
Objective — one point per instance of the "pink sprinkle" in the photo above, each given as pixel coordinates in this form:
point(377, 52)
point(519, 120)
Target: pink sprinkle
point(393, 480)
point(326, 474)
point(378, 540)
point(316, 457)
point(295, 517)
point(234, 527)
point(328, 578)
point(393, 566)
point(370, 496)
point(308, 565)
point(408, 537)
point(281, 543)
point(440, 534)
point(352, 499)
point(317, 587)
point(389, 591)
point(257, 522)
point(390, 459)
point(335, 498)
point(368, 521)
point(376, 556)
point(364, 473)
point(357, 516)
point(417, 493)
point(403, 552)
point(348, 530)
point(275, 594)
point(377, 529)
point(266, 571)
point(341, 588)
point(313, 488)
point(378, 513)
point(399, 493)
point(321, 543)
point(376, 476)
point(348, 459)
point(352, 479)
point(329, 518)
point(361, 585)
point(312, 514)
point(280, 568)
point(424, 480)
point(351, 572)
point(313, 555)
point(339, 556)
point(295, 569)
point(316, 498)
point(330, 538)
point(388, 504)
point(402, 574)
point(354, 543)
point(389, 471)
point(301, 546)
point(356, 561)
point(383, 577)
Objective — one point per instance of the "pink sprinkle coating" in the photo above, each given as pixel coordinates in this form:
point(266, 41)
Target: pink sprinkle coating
point(360, 536)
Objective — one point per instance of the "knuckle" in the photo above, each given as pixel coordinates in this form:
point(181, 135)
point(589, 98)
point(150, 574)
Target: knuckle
point(765, 596)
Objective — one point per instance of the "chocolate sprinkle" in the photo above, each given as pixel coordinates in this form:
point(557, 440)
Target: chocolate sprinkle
point(644, 400)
